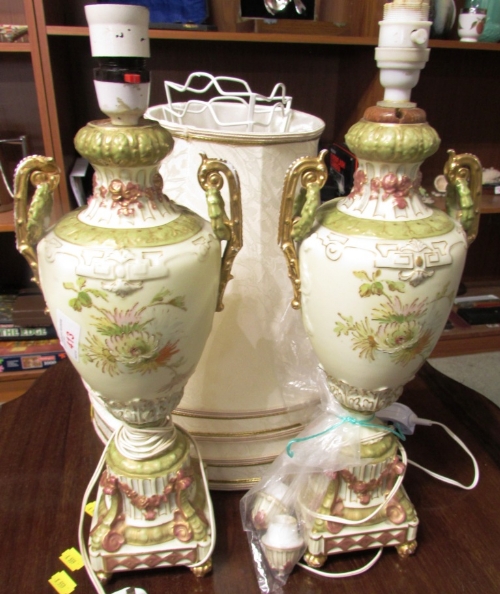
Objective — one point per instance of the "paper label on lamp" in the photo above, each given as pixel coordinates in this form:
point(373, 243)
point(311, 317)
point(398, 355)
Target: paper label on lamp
point(69, 334)
point(72, 559)
point(62, 583)
point(89, 508)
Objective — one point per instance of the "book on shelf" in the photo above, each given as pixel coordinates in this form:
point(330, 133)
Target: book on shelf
point(23, 317)
point(479, 310)
point(26, 355)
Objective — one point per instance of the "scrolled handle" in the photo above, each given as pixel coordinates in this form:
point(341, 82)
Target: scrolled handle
point(32, 218)
point(298, 211)
point(211, 178)
point(464, 190)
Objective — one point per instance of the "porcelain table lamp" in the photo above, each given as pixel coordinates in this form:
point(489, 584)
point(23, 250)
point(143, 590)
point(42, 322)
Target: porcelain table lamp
point(375, 274)
point(132, 282)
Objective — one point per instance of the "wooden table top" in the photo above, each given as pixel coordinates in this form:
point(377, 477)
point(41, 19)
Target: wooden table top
point(49, 450)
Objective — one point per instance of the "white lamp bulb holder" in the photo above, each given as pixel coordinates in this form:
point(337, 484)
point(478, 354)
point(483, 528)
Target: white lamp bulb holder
point(402, 50)
point(119, 40)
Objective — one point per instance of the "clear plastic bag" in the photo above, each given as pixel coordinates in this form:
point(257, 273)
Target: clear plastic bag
point(273, 513)
point(296, 364)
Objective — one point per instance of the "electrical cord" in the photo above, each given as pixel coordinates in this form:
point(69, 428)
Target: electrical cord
point(81, 540)
point(345, 574)
point(377, 510)
point(405, 420)
point(444, 478)
point(397, 413)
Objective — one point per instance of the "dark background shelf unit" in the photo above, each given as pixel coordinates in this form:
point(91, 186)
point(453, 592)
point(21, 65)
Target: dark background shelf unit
point(47, 90)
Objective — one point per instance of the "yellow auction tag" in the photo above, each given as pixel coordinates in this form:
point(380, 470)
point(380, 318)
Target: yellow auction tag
point(62, 583)
point(72, 559)
point(89, 508)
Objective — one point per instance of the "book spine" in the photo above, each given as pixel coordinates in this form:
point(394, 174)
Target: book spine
point(9, 332)
point(30, 361)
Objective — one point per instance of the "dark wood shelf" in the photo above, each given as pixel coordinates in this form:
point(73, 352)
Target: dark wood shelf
point(246, 37)
point(461, 45)
point(260, 37)
point(464, 339)
point(490, 202)
point(468, 341)
point(19, 46)
point(6, 221)
point(15, 383)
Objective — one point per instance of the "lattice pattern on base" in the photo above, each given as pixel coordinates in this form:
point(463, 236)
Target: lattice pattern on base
point(357, 538)
point(129, 563)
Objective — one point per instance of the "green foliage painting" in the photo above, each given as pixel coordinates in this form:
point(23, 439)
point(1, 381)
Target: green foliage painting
point(393, 327)
point(122, 340)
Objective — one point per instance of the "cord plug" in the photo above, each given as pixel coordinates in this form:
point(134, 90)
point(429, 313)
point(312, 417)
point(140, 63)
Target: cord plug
point(403, 418)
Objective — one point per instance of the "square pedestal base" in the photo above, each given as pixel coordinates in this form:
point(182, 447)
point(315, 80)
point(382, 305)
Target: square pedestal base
point(361, 537)
point(169, 554)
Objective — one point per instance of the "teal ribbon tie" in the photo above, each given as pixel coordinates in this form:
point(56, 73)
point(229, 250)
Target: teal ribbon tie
point(362, 423)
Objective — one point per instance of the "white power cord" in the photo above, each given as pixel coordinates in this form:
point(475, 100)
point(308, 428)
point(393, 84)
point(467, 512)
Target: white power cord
point(377, 510)
point(345, 574)
point(405, 420)
point(139, 444)
point(345, 521)
point(444, 478)
point(81, 540)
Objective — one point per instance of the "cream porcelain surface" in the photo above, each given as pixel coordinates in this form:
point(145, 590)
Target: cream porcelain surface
point(105, 214)
point(114, 283)
point(246, 334)
point(370, 356)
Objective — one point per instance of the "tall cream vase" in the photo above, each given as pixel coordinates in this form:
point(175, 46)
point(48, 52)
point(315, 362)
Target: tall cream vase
point(132, 282)
point(243, 420)
point(375, 274)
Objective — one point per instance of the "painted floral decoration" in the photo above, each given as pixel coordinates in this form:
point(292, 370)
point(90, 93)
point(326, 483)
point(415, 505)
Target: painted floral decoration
point(389, 186)
point(394, 327)
point(127, 197)
point(123, 341)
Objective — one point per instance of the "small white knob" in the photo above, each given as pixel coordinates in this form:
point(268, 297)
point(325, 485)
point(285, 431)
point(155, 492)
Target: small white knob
point(419, 36)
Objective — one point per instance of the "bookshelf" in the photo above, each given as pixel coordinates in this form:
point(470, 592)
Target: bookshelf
point(15, 383)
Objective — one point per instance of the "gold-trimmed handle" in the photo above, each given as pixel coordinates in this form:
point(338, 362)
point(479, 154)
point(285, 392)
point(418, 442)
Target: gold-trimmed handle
point(464, 190)
point(32, 219)
point(229, 229)
point(297, 213)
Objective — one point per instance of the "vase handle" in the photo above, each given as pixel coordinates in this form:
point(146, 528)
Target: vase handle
point(463, 192)
point(298, 211)
point(225, 228)
point(32, 219)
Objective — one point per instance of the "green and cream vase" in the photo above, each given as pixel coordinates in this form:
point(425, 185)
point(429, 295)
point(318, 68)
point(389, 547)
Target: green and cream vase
point(132, 282)
point(375, 274)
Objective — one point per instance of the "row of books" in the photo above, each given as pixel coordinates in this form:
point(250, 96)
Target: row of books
point(28, 339)
point(26, 355)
